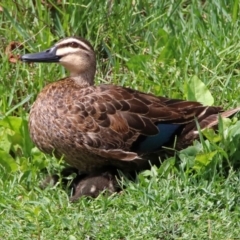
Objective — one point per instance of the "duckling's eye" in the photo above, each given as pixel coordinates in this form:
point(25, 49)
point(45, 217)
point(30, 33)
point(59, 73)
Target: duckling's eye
point(73, 44)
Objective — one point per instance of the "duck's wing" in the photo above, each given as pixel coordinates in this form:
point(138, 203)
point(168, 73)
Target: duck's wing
point(129, 123)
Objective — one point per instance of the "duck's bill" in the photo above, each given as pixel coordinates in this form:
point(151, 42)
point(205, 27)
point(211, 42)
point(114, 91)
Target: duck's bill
point(48, 55)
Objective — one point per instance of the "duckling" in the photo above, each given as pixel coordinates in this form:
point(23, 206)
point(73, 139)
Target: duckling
point(89, 185)
point(96, 127)
point(94, 184)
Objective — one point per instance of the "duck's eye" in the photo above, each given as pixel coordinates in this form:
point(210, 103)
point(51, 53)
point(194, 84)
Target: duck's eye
point(74, 45)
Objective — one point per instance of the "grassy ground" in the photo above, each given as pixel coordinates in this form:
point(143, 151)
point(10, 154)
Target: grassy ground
point(181, 49)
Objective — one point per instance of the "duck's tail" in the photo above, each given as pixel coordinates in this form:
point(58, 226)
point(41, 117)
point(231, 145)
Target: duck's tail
point(190, 131)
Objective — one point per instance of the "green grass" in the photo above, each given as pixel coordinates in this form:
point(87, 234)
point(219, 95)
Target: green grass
point(180, 49)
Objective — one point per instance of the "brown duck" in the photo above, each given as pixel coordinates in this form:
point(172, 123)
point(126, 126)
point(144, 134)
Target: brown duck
point(97, 127)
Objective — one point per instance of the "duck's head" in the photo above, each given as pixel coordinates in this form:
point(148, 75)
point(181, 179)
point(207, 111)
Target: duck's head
point(74, 53)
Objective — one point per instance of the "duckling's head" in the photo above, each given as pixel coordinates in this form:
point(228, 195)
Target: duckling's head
point(74, 53)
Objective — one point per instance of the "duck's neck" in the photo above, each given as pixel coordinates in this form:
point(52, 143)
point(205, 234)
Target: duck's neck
point(83, 79)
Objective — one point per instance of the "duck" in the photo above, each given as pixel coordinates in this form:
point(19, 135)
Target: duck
point(97, 127)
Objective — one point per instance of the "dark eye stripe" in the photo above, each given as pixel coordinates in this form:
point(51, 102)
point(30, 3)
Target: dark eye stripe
point(73, 45)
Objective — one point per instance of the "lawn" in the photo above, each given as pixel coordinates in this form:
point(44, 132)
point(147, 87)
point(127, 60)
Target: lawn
point(179, 49)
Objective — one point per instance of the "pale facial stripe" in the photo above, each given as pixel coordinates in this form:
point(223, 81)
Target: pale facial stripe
point(62, 51)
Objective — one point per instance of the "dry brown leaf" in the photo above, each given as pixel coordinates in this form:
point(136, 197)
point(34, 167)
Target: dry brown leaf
point(49, 5)
point(8, 51)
